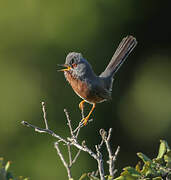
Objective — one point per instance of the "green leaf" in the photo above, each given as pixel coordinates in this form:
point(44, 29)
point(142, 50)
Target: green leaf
point(157, 178)
point(109, 177)
point(125, 177)
point(144, 157)
point(167, 159)
point(7, 165)
point(120, 178)
point(138, 167)
point(93, 177)
point(147, 169)
point(167, 147)
point(132, 171)
point(5, 174)
point(162, 149)
point(22, 178)
point(159, 161)
point(83, 176)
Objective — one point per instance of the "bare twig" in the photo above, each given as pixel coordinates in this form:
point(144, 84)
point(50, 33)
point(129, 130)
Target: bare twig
point(116, 153)
point(100, 163)
point(83, 148)
point(97, 172)
point(72, 141)
point(75, 133)
point(109, 134)
point(69, 123)
point(44, 115)
point(78, 128)
point(111, 162)
point(112, 158)
point(69, 154)
point(100, 145)
point(63, 160)
point(41, 130)
point(76, 156)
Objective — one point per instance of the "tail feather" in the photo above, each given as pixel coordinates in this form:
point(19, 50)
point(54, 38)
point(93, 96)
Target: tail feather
point(124, 49)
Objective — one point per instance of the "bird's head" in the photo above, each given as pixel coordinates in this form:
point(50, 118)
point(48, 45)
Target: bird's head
point(76, 65)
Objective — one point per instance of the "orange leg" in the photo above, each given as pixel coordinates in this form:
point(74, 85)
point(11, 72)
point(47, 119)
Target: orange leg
point(85, 120)
point(81, 105)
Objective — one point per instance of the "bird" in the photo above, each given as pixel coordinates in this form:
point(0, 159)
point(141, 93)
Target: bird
point(90, 87)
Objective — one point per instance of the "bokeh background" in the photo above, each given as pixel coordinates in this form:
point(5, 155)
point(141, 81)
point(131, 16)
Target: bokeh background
point(36, 35)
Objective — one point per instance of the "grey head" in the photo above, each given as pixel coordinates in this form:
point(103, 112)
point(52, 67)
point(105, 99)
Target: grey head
point(79, 66)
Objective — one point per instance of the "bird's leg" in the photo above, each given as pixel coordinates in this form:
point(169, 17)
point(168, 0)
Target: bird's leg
point(85, 120)
point(81, 105)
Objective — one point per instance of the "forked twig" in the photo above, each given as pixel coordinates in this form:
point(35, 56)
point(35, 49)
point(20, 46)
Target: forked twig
point(100, 163)
point(112, 158)
point(73, 141)
point(63, 160)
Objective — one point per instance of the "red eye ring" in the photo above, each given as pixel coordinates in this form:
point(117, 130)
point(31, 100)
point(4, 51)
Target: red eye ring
point(74, 65)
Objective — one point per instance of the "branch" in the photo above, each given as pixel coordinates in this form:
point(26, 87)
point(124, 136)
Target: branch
point(100, 163)
point(116, 153)
point(69, 123)
point(76, 156)
point(44, 115)
point(112, 158)
point(41, 130)
point(63, 161)
point(70, 140)
point(74, 133)
point(73, 141)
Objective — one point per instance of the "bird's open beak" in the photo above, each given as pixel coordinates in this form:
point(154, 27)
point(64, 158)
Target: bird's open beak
point(67, 67)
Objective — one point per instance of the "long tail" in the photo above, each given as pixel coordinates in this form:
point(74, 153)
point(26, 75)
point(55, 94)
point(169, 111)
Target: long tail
point(124, 49)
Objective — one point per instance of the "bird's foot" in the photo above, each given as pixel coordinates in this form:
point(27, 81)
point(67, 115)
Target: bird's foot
point(85, 120)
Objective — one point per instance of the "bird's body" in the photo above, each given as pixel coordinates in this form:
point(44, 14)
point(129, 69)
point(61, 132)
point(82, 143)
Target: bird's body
point(91, 89)
point(86, 84)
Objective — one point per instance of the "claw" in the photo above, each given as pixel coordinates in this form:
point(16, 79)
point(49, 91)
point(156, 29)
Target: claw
point(84, 121)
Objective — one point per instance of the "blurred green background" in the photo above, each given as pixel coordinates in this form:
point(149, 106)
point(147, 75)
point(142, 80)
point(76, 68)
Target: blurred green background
point(36, 35)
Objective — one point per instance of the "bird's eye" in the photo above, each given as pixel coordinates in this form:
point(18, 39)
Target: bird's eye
point(74, 65)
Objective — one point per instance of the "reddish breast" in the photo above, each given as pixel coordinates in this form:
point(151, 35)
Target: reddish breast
point(78, 86)
point(81, 89)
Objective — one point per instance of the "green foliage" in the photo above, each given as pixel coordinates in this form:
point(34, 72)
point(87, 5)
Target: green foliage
point(5, 174)
point(152, 169)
